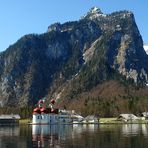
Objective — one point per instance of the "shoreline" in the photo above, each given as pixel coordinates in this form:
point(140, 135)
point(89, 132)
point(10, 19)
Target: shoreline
point(101, 121)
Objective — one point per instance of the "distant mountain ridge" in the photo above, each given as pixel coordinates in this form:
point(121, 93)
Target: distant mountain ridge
point(73, 58)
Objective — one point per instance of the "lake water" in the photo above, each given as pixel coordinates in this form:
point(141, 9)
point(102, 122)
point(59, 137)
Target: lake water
point(75, 136)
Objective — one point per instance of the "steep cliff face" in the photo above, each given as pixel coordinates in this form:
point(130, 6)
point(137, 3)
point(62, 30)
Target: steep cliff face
point(124, 45)
point(80, 54)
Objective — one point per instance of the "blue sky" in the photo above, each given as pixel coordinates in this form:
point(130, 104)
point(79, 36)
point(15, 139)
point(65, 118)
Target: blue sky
point(20, 17)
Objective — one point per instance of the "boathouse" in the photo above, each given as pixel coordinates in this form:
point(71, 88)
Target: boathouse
point(127, 117)
point(145, 115)
point(9, 119)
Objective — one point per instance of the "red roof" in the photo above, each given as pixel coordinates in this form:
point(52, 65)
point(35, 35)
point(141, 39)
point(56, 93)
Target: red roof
point(44, 110)
point(36, 111)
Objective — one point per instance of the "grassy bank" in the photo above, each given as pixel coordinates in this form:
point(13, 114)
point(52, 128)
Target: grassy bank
point(115, 121)
point(24, 121)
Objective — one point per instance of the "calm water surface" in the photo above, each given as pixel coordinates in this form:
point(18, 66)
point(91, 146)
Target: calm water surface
point(75, 136)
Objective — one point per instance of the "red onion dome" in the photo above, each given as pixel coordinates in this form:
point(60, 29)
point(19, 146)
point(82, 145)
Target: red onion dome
point(36, 111)
point(44, 110)
point(40, 102)
point(52, 101)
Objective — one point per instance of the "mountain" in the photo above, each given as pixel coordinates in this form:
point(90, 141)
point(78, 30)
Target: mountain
point(146, 48)
point(72, 62)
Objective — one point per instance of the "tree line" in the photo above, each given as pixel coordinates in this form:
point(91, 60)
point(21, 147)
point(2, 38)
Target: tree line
point(24, 112)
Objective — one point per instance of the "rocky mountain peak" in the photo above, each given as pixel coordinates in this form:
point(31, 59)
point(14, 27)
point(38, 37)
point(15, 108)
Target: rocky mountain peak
point(95, 10)
point(93, 13)
point(54, 27)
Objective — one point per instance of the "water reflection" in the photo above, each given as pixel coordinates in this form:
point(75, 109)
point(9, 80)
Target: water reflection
point(43, 135)
point(7, 131)
point(126, 130)
point(131, 129)
point(134, 129)
point(103, 135)
point(145, 130)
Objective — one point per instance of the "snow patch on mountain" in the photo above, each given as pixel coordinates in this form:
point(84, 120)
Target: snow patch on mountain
point(146, 48)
